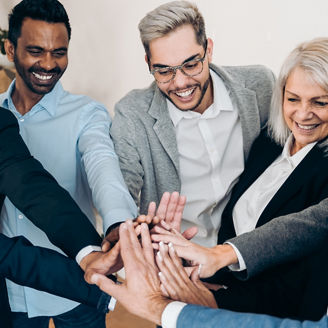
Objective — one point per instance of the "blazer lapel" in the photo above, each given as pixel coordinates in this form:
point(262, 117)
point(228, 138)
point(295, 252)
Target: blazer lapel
point(292, 185)
point(164, 128)
point(255, 165)
point(246, 103)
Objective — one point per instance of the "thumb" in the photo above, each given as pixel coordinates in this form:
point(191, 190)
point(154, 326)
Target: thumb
point(195, 275)
point(105, 284)
point(190, 232)
point(105, 246)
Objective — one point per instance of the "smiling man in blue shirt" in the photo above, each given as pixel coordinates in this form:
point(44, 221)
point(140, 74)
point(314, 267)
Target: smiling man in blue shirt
point(69, 135)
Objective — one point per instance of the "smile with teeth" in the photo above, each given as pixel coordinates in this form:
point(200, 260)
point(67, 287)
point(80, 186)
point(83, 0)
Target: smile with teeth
point(42, 77)
point(307, 127)
point(185, 93)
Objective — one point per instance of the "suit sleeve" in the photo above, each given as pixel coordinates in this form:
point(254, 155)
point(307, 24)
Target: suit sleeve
point(281, 239)
point(124, 138)
point(194, 316)
point(44, 269)
point(37, 194)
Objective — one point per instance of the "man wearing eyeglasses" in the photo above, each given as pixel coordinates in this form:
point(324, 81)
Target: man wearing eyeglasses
point(192, 129)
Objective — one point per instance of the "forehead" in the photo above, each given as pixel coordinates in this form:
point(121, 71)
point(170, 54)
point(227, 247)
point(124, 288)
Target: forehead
point(173, 48)
point(43, 34)
point(303, 84)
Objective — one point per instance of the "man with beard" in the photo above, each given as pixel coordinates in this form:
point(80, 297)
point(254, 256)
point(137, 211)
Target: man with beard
point(192, 129)
point(69, 135)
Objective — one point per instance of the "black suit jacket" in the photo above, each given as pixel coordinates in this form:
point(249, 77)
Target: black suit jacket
point(37, 194)
point(280, 291)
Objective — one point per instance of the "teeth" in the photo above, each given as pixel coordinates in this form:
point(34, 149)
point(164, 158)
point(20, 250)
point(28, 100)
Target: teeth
point(185, 93)
point(307, 127)
point(42, 77)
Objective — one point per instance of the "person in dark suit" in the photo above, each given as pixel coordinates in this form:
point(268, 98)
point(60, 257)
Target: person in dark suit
point(36, 193)
point(286, 172)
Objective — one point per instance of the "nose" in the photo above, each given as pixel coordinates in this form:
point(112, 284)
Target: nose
point(304, 112)
point(180, 80)
point(48, 62)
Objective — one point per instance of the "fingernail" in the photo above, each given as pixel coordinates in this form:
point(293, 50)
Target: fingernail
point(161, 244)
point(199, 269)
point(160, 274)
point(159, 256)
point(170, 245)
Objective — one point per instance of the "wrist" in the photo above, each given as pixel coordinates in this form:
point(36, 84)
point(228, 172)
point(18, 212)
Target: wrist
point(157, 309)
point(225, 255)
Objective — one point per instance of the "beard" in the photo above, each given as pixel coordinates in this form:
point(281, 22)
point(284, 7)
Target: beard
point(203, 92)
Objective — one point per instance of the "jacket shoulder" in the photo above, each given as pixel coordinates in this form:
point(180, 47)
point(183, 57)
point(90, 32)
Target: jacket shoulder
point(137, 100)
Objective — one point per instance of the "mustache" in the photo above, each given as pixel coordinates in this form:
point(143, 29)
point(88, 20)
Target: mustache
point(55, 70)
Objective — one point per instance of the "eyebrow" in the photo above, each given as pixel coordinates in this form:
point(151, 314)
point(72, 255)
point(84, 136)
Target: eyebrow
point(185, 61)
point(318, 97)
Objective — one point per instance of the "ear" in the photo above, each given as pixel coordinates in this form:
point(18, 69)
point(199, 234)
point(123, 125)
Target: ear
point(209, 49)
point(10, 50)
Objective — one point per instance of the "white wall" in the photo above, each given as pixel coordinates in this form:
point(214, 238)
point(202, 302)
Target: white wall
point(107, 58)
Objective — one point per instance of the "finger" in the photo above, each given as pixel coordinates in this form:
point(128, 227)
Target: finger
point(134, 241)
point(167, 238)
point(160, 230)
point(162, 207)
point(147, 245)
point(177, 217)
point(151, 209)
point(105, 246)
point(106, 285)
point(171, 208)
point(141, 218)
point(163, 290)
point(190, 232)
point(128, 251)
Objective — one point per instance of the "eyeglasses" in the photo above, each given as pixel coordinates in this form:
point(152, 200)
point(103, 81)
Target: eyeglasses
point(190, 68)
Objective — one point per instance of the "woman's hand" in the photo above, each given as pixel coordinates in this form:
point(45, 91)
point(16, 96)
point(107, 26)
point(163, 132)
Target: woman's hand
point(175, 282)
point(210, 259)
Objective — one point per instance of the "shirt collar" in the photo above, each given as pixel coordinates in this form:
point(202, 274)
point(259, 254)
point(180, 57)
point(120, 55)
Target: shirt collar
point(295, 159)
point(221, 101)
point(48, 102)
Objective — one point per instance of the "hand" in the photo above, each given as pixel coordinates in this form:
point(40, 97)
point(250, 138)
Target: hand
point(103, 263)
point(140, 293)
point(211, 259)
point(176, 284)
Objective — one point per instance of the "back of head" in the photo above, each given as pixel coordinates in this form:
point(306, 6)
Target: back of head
point(168, 17)
point(312, 57)
point(51, 11)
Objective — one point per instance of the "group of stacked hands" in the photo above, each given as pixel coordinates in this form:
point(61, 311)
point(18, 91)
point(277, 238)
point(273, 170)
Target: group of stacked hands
point(259, 244)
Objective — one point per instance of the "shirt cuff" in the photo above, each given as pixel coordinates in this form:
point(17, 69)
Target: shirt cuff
point(171, 313)
point(241, 265)
point(112, 304)
point(86, 251)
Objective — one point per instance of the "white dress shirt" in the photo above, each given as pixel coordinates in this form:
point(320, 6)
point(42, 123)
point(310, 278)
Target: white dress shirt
point(254, 200)
point(211, 159)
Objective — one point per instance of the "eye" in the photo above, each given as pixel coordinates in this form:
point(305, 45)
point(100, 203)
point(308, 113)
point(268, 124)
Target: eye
point(320, 103)
point(59, 53)
point(35, 52)
point(292, 100)
point(190, 65)
point(164, 71)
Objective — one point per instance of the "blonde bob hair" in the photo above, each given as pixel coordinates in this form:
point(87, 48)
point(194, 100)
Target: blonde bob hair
point(312, 57)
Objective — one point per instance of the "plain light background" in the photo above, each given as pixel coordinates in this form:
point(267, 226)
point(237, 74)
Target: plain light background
point(106, 58)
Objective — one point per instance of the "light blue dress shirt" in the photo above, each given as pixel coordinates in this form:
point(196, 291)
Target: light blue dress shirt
point(69, 135)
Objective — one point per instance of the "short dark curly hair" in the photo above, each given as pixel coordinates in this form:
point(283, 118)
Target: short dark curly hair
point(51, 11)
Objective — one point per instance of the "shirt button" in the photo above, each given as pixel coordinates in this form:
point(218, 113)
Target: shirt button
point(20, 216)
point(21, 120)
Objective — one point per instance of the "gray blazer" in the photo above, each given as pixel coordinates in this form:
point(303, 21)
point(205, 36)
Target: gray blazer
point(144, 135)
point(145, 142)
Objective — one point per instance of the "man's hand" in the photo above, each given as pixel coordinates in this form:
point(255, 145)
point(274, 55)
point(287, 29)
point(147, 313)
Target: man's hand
point(140, 293)
point(103, 263)
point(211, 259)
